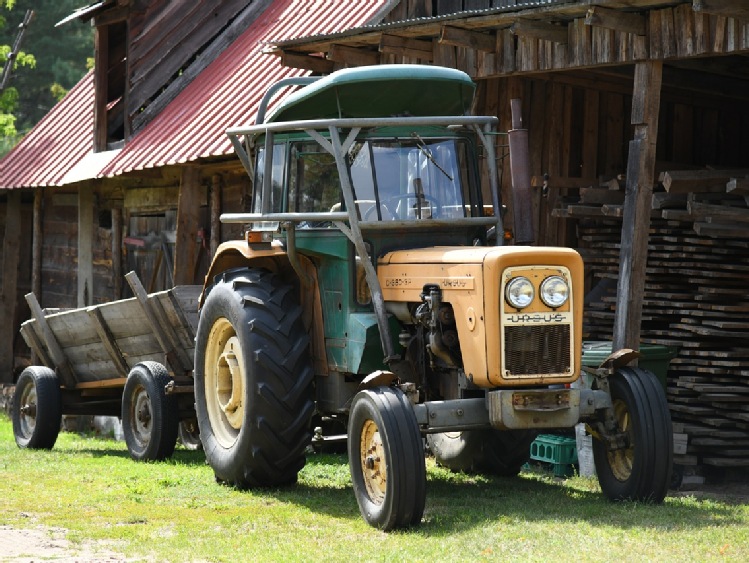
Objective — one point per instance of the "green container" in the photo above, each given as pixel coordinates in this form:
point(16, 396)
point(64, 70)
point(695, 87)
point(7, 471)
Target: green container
point(653, 357)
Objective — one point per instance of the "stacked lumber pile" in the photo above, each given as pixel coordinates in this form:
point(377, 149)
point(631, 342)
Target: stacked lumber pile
point(696, 298)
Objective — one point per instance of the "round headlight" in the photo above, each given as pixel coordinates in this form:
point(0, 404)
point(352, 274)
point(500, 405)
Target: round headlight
point(554, 291)
point(519, 292)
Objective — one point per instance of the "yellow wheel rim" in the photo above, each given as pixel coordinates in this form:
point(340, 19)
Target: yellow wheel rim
point(374, 468)
point(225, 382)
point(621, 460)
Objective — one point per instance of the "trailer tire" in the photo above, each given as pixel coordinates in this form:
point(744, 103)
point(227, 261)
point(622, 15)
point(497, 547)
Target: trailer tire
point(253, 380)
point(386, 459)
point(494, 452)
point(642, 470)
point(150, 417)
point(37, 408)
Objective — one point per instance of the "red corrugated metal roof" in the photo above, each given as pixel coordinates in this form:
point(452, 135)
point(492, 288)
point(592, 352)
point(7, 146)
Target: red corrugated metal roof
point(229, 90)
point(56, 144)
point(193, 125)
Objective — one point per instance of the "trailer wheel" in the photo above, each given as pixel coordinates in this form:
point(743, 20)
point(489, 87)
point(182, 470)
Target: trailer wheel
point(149, 416)
point(495, 452)
point(386, 459)
point(253, 380)
point(189, 435)
point(37, 408)
point(641, 471)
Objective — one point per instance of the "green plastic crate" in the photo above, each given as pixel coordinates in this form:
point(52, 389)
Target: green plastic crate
point(559, 451)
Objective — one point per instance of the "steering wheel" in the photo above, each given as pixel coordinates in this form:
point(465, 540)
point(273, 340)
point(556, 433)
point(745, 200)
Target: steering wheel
point(387, 214)
point(434, 203)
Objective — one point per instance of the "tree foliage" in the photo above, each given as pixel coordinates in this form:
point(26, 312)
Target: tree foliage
point(55, 59)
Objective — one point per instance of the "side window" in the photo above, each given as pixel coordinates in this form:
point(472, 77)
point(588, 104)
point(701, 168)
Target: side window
point(313, 179)
point(276, 194)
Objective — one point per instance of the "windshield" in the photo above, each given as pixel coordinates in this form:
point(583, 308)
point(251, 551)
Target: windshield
point(411, 178)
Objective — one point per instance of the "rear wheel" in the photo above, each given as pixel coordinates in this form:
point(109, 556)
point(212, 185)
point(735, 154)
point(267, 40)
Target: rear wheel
point(386, 459)
point(495, 452)
point(37, 408)
point(149, 415)
point(253, 380)
point(641, 470)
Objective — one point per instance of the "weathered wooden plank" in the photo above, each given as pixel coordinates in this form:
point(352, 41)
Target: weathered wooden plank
point(627, 22)
point(61, 362)
point(636, 222)
point(108, 340)
point(685, 181)
point(407, 47)
point(164, 333)
point(459, 37)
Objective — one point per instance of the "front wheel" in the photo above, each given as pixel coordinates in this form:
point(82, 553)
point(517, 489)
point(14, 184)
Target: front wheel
point(641, 470)
point(386, 459)
point(37, 408)
point(149, 416)
point(253, 380)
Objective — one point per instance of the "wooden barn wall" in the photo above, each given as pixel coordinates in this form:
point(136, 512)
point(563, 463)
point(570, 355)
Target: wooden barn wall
point(15, 310)
point(579, 136)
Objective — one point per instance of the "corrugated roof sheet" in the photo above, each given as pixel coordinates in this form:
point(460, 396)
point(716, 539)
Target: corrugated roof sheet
point(228, 91)
point(193, 125)
point(56, 144)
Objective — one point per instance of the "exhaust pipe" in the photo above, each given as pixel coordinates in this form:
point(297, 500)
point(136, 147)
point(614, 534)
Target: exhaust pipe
point(522, 203)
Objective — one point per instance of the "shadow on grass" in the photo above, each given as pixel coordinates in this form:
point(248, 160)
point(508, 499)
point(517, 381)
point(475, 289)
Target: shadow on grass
point(458, 502)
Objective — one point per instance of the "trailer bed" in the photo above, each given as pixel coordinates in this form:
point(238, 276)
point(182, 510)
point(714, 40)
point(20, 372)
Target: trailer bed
point(97, 346)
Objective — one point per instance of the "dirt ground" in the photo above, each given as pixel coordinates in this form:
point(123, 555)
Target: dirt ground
point(30, 545)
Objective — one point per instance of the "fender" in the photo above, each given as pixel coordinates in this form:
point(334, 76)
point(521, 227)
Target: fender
point(240, 253)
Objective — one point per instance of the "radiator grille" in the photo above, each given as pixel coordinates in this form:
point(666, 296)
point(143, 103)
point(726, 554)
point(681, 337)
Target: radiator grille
point(537, 350)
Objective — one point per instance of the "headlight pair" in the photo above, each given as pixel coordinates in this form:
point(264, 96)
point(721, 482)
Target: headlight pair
point(520, 292)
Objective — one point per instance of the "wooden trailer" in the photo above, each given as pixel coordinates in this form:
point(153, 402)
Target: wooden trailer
point(131, 358)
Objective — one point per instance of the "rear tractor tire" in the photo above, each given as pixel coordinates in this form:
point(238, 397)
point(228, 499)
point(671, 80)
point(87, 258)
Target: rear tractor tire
point(386, 459)
point(37, 408)
point(641, 471)
point(149, 416)
point(253, 380)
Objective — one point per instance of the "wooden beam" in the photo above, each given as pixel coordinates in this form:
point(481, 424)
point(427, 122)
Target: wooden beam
point(646, 97)
point(108, 341)
point(306, 62)
point(191, 194)
point(685, 181)
point(628, 22)
point(405, 47)
point(38, 239)
point(352, 56)
point(162, 330)
point(117, 233)
point(738, 186)
point(10, 260)
point(61, 362)
point(540, 30)
point(85, 245)
point(728, 8)
point(215, 211)
point(459, 37)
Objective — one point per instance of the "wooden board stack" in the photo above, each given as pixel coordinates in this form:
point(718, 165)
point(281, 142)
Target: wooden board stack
point(696, 298)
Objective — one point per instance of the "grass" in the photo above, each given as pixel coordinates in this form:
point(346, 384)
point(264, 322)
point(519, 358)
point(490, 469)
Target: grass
point(175, 511)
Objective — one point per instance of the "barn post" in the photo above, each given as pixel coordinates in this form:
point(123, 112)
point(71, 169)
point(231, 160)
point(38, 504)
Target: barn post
point(188, 224)
point(85, 245)
point(637, 204)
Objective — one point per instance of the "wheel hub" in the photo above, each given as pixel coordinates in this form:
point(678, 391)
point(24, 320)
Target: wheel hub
point(224, 382)
point(374, 467)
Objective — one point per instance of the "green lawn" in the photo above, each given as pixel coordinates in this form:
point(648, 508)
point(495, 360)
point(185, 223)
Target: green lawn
point(175, 511)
